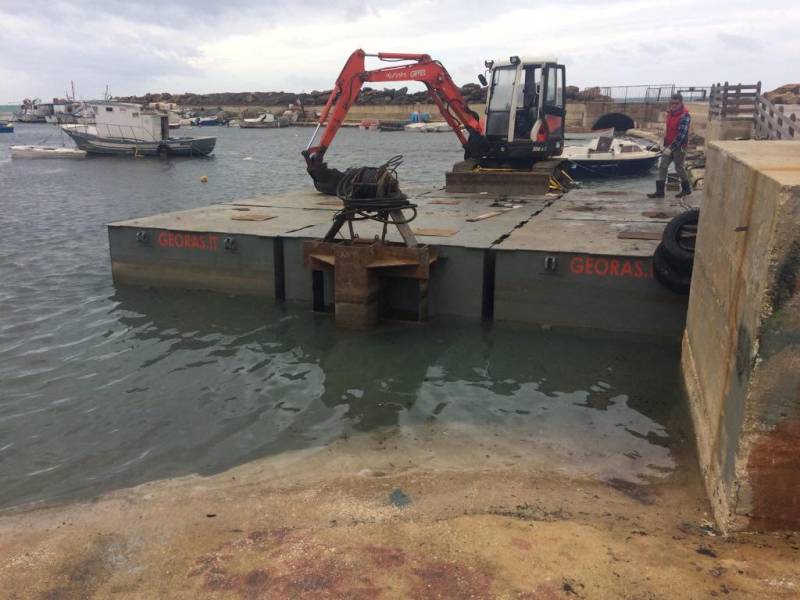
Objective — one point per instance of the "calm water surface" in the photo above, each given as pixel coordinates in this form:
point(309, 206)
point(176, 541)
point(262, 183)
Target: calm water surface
point(103, 387)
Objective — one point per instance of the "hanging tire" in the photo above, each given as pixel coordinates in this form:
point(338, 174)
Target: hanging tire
point(673, 278)
point(679, 239)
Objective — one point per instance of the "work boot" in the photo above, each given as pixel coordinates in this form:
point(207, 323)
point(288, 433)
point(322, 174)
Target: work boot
point(686, 189)
point(659, 193)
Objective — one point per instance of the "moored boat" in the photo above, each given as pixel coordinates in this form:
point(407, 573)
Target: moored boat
point(126, 128)
point(263, 121)
point(208, 121)
point(384, 125)
point(6, 127)
point(607, 156)
point(435, 127)
point(369, 125)
point(46, 152)
point(33, 111)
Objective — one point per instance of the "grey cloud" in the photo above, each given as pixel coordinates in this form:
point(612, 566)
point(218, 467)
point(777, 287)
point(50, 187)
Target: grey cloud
point(739, 42)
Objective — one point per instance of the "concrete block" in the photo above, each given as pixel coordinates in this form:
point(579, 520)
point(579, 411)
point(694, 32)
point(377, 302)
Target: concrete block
point(741, 347)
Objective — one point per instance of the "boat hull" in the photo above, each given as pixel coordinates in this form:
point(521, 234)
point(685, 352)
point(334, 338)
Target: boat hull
point(259, 125)
point(6, 129)
point(27, 118)
point(172, 147)
point(40, 152)
point(611, 167)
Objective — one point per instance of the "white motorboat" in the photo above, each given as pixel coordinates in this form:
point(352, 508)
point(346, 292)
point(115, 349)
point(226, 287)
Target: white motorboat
point(606, 156)
point(435, 127)
point(46, 152)
point(263, 121)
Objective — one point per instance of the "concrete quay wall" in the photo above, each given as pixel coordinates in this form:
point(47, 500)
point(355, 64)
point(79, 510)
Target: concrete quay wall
point(741, 347)
point(580, 115)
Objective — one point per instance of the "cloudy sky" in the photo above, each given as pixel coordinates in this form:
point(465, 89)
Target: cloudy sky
point(236, 45)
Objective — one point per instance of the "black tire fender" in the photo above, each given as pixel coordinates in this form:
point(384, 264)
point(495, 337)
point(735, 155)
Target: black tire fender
point(678, 253)
point(674, 279)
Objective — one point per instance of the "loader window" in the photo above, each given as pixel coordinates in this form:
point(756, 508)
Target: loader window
point(500, 103)
point(528, 102)
point(553, 105)
point(555, 86)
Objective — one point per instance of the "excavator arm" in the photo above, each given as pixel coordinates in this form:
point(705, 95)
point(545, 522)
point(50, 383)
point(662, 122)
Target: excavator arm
point(444, 93)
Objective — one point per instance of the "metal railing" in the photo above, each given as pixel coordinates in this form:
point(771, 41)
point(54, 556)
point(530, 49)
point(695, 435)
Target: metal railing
point(643, 94)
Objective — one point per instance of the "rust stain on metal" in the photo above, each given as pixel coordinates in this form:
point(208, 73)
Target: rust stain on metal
point(774, 470)
point(359, 268)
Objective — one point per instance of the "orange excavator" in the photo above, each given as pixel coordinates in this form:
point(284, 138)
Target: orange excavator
point(524, 121)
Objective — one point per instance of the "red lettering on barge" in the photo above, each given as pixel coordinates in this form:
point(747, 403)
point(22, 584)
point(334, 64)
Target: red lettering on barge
point(599, 266)
point(188, 241)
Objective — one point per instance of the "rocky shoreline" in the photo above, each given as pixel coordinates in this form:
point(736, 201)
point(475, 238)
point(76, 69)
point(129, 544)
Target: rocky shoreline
point(473, 93)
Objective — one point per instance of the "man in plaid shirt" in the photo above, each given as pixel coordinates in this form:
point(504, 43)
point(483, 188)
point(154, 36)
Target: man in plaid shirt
point(676, 138)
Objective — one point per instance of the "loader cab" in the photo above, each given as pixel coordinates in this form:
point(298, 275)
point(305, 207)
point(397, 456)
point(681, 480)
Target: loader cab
point(525, 110)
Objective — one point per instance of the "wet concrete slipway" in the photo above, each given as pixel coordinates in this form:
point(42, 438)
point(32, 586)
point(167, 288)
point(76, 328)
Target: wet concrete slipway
point(166, 444)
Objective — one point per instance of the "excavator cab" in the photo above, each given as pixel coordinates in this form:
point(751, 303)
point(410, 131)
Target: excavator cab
point(524, 111)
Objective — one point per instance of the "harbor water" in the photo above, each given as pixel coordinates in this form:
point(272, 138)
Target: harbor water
point(102, 388)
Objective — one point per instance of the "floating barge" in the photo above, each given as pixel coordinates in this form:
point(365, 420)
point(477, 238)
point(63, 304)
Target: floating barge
point(580, 260)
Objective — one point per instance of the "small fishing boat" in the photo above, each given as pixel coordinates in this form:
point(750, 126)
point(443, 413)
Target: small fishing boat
point(369, 125)
point(208, 121)
point(262, 121)
point(127, 128)
point(45, 152)
point(608, 156)
point(33, 111)
point(417, 126)
point(391, 125)
point(6, 127)
point(435, 127)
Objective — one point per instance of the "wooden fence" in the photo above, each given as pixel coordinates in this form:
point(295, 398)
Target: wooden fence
point(772, 123)
point(734, 102)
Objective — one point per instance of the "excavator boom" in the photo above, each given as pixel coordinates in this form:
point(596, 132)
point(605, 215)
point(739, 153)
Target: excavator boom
point(443, 91)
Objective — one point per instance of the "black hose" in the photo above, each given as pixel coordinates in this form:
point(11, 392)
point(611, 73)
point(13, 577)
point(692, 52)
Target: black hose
point(374, 193)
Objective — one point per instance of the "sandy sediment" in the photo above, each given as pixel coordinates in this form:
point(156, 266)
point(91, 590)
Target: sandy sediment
point(399, 513)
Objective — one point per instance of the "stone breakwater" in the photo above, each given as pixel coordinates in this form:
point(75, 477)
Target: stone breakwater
point(473, 93)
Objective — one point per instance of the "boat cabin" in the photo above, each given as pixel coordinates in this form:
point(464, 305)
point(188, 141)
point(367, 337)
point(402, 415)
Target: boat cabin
point(130, 121)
